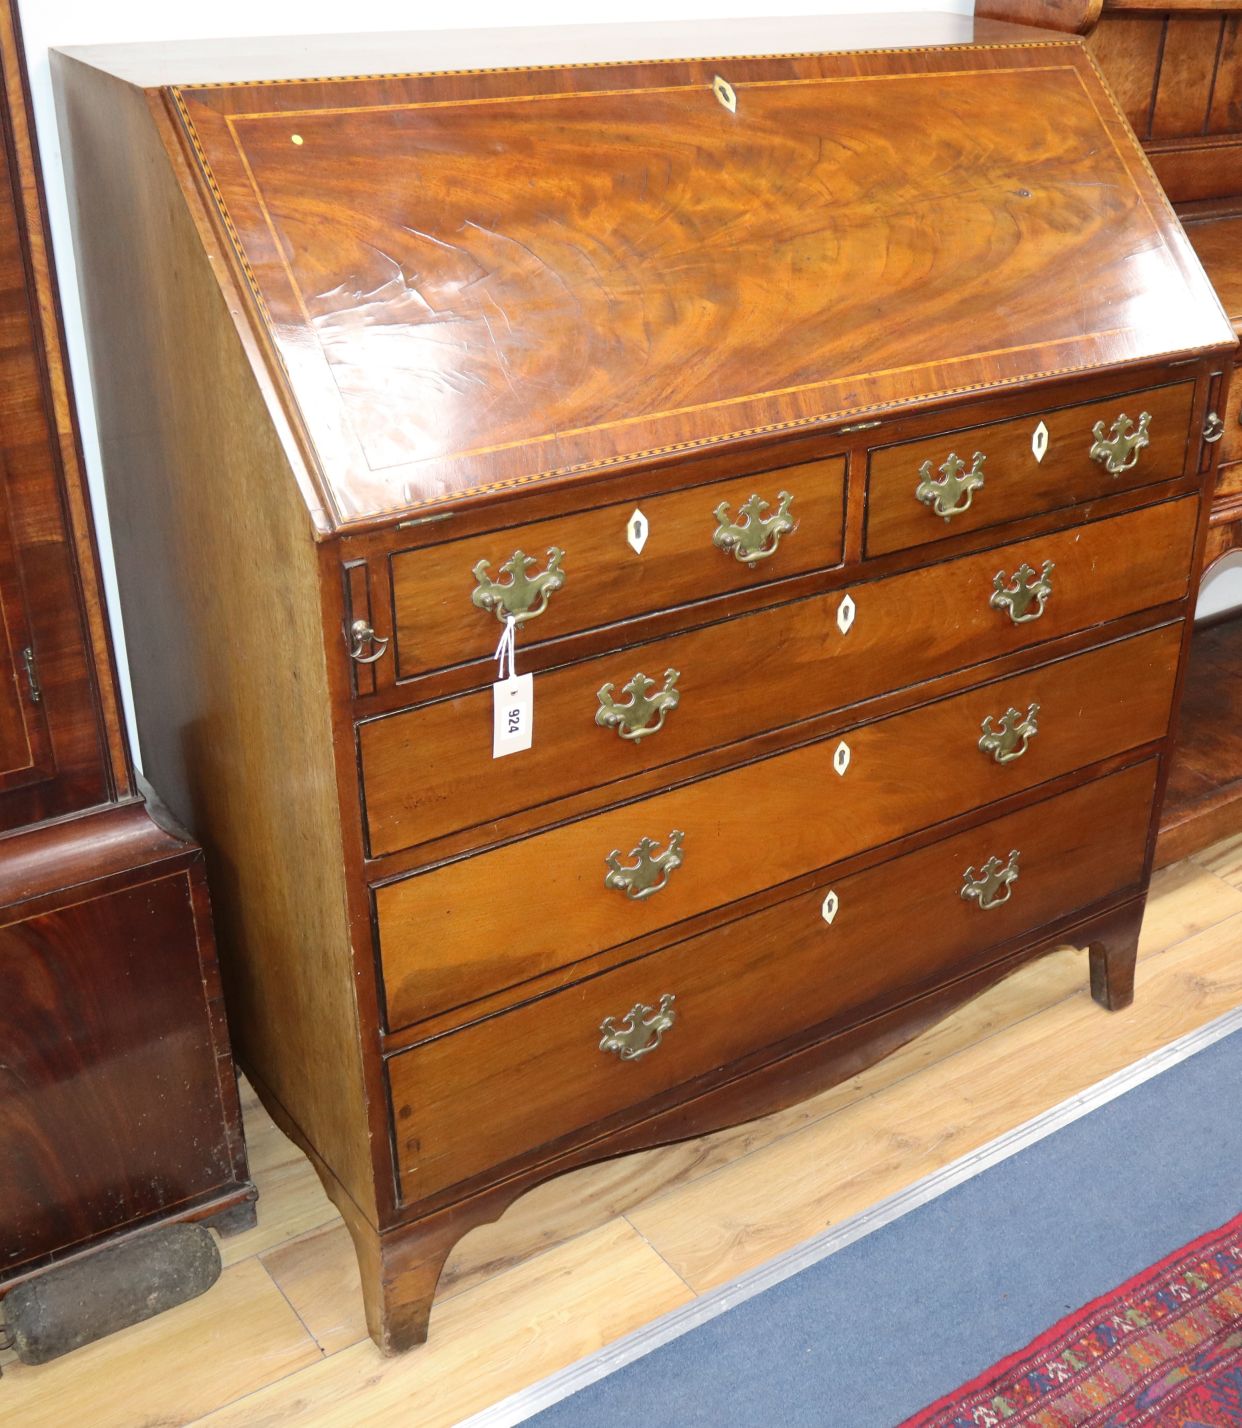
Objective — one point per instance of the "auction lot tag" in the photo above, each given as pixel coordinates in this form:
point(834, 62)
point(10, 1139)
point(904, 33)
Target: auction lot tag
point(513, 714)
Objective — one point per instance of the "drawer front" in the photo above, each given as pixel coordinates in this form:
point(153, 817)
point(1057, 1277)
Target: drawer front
point(911, 487)
point(450, 600)
point(429, 771)
point(478, 925)
point(524, 1079)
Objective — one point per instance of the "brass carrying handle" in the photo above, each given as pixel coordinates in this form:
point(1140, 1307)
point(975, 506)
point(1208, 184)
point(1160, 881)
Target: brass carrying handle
point(650, 872)
point(641, 1031)
point(1119, 451)
point(632, 720)
point(361, 634)
point(1010, 740)
point(994, 885)
point(955, 490)
point(522, 595)
point(1026, 590)
point(752, 538)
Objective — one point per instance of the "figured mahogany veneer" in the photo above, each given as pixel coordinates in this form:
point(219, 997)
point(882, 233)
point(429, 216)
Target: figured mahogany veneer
point(118, 1103)
point(398, 328)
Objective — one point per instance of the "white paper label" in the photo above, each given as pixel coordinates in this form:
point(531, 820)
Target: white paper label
point(513, 715)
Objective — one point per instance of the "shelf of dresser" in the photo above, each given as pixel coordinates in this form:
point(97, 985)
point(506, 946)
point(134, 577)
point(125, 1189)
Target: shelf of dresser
point(1203, 801)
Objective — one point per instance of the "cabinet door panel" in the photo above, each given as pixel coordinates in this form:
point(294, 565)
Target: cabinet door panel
point(24, 745)
point(52, 757)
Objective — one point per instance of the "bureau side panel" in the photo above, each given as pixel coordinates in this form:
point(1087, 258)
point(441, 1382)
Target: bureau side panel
point(219, 587)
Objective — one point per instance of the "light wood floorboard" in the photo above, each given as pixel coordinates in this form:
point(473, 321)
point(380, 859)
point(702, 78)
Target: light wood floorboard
point(280, 1340)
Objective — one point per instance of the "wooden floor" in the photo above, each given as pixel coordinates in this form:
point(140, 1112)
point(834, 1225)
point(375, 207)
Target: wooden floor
point(280, 1338)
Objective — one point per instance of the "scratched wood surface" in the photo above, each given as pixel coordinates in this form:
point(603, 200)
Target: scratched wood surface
point(565, 1271)
point(483, 277)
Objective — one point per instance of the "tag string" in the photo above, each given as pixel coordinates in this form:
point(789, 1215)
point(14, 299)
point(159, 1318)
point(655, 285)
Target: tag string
point(507, 649)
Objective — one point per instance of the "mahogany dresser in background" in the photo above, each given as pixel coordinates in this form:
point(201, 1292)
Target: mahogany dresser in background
point(830, 425)
point(1176, 69)
point(118, 1103)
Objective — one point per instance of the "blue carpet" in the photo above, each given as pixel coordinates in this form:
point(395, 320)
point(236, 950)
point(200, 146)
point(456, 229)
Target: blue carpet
point(894, 1321)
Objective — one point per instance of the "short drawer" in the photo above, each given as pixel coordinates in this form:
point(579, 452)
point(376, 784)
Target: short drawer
point(477, 925)
point(538, 1073)
point(1229, 482)
point(928, 490)
point(593, 568)
point(429, 771)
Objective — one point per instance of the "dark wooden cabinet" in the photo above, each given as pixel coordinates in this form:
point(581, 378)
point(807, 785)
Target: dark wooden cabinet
point(118, 1103)
point(832, 427)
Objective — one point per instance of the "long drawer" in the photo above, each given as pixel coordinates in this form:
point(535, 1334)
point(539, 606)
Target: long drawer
point(478, 925)
point(921, 491)
point(537, 1073)
point(429, 771)
point(593, 568)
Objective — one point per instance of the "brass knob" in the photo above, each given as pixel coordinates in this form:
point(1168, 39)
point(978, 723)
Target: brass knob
point(522, 595)
point(955, 490)
point(994, 885)
point(633, 720)
point(1119, 451)
point(641, 1031)
point(361, 635)
point(752, 538)
point(650, 872)
point(1026, 590)
point(1009, 742)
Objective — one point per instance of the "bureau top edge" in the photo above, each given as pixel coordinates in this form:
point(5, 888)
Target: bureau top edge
point(470, 283)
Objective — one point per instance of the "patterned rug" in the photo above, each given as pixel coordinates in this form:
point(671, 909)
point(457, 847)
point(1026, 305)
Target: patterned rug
point(1165, 1349)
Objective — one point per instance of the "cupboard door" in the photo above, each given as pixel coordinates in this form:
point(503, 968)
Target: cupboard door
point(25, 752)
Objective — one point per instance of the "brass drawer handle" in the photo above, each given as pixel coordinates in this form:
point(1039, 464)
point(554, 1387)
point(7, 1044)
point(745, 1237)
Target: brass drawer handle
point(641, 1031)
point(633, 720)
point(986, 889)
point(955, 490)
point(650, 873)
point(1026, 590)
point(1119, 451)
point(361, 635)
point(1009, 741)
point(1213, 428)
point(522, 596)
point(750, 537)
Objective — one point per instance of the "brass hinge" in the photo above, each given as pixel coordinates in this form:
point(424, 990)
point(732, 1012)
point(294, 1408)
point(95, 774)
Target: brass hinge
point(32, 674)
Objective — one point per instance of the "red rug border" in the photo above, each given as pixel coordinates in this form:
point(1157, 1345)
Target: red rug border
point(1072, 1320)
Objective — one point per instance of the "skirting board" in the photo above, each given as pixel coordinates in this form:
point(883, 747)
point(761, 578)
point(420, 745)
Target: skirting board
point(528, 1401)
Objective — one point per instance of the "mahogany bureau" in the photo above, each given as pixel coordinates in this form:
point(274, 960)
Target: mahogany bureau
point(825, 429)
